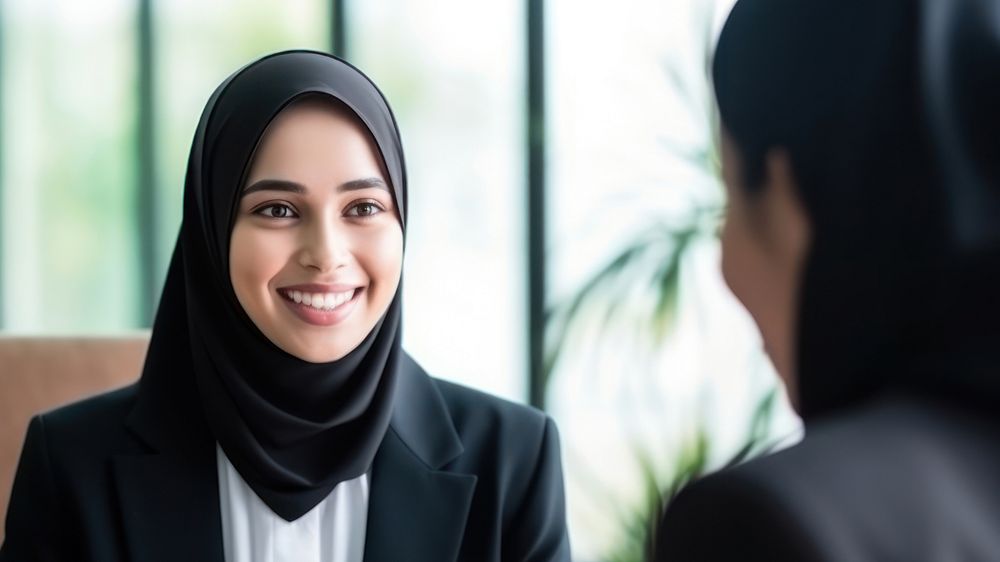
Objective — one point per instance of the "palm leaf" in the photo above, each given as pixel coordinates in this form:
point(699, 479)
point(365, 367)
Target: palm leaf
point(638, 526)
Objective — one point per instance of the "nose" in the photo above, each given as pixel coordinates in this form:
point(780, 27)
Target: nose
point(325, 247)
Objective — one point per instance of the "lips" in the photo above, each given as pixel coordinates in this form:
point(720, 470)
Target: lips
point(321, 305)
point(319, 301)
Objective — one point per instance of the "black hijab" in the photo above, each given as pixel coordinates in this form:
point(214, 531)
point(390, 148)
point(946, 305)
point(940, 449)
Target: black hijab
point(889, 112)
point(292, 429)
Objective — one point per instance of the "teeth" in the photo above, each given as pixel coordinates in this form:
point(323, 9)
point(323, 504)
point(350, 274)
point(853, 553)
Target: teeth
point(321, 301)
point(318, 300)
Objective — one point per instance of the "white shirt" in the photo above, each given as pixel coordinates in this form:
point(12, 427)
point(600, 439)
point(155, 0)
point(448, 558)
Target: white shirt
point(333, 531)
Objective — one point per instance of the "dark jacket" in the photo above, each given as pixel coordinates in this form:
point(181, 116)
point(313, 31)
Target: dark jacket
point(460, 475)
point(899, 479)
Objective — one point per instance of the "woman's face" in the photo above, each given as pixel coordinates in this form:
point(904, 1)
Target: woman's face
point(764, 245)
point(316, 251)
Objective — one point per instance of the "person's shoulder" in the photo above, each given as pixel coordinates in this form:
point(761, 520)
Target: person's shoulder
point(861, 485)
point(858, 454)
point(771, 507)
point(731, 515)
point(90, 421)
point(493, 431)
point(482, 417)
point(847, 467)
point(468, 405)
point(111, 405)
point(497, 431)
point(514, 452)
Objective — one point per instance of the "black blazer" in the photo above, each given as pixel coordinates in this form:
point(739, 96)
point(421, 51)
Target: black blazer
point(460, 475)
point(900, 479)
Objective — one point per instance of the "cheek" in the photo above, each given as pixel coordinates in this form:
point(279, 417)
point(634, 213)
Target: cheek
point(382, 258)
point(732, 269)
point(255, 257)
point(744, 263)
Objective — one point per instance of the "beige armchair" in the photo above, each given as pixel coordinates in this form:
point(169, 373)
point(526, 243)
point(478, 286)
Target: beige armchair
point(41, 373)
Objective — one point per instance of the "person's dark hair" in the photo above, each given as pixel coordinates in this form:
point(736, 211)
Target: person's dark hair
point(856, 92)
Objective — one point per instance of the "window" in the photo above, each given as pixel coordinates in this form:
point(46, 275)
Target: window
point(657, 366)
point(68, 227)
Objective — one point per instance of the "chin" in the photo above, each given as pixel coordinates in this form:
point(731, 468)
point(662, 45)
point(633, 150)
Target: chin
point(313, 349)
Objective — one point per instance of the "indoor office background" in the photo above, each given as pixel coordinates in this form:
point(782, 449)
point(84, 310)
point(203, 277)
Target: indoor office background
point(564, 204)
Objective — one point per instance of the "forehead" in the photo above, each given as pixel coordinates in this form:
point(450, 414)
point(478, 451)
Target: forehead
point(317, 137)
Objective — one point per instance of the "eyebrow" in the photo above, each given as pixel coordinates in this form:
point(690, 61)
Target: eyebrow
point(294, 187)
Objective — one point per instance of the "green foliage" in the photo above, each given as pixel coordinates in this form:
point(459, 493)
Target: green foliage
point(638, 525)
point(651, 265)
point(652, 260)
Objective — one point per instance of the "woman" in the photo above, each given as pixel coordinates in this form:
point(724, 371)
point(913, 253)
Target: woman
point(277, 417)
point(863, 235)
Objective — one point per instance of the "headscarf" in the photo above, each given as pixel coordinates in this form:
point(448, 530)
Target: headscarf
point(291, 428)
point(888, 112)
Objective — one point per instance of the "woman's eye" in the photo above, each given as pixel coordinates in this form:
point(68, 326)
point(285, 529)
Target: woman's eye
point(365, 209)
point(276, 211)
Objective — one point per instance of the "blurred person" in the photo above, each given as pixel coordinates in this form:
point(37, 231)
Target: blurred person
point(860, 155)
point(277, 417)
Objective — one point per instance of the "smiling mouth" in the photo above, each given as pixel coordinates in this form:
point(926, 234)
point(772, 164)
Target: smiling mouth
point(323, 302)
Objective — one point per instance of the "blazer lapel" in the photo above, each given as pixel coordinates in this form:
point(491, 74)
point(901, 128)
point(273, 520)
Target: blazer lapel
point(414, 512)
point(170, 496)
point(168, 490)
point(170, 506)
point(417, 511)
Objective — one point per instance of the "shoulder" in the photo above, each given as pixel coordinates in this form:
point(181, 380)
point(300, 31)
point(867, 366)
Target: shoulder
point(774, 507)
point(492, 437)
point(885, 455)
point(62, 476)
point(84, 416)
point(860, 486)
point(85, 427)
point(107, 406)
point(513, 450)
point(430, 412)
point(728, 516)
point(478, 414)
point(498, 432)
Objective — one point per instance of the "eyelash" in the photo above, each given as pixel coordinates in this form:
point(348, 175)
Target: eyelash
point(376, 209)
point(261, 211)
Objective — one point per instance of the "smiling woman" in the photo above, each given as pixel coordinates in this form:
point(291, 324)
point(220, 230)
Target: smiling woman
point(277, 416)
point(317, 241)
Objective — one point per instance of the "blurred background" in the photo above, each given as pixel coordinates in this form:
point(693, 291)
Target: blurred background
point(565, 200)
